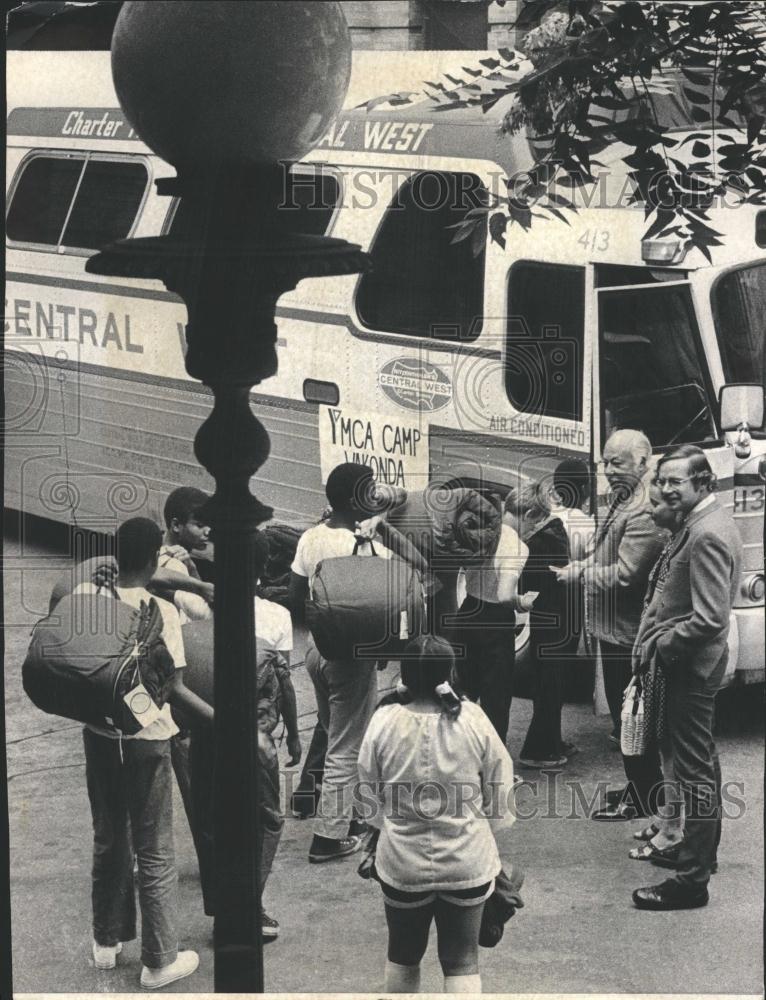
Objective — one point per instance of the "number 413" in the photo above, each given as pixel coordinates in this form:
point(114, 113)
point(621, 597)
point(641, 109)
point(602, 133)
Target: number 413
point(595, 240)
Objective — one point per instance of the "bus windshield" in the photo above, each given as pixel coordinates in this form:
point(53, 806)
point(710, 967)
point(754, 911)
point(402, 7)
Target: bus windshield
point(652, 370)
point(739, 307)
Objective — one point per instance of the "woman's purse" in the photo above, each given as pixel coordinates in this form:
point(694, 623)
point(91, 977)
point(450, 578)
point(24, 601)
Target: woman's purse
point(633, 731)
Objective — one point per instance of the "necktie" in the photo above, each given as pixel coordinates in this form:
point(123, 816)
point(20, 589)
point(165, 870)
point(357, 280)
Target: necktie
point(660, 569)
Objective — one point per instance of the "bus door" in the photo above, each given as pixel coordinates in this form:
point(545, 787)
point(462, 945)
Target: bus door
point(653, 372)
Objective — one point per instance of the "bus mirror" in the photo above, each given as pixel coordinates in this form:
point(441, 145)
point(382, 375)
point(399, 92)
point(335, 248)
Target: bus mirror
point(740, 405)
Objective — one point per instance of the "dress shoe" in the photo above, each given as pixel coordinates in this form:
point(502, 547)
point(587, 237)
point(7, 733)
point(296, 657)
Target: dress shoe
point(617, 814)
point(670, 895)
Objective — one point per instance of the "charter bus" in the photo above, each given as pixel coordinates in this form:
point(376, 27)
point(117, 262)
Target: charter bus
point(459, 361)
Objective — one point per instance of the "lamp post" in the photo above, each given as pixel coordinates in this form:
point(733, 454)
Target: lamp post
point(225, 91)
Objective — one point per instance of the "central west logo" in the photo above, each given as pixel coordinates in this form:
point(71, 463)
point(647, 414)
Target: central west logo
point(414, 385)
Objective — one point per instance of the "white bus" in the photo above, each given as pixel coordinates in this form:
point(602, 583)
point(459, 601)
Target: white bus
point(450, 361)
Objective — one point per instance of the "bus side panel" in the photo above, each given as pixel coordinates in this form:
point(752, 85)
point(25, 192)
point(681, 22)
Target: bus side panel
point(492, 462)
point(96, 448)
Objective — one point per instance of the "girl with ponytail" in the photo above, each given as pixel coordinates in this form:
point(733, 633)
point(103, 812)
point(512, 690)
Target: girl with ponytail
point(436, 783)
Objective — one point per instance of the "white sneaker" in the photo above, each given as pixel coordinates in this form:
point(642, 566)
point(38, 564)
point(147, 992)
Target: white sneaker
point(186, 963)
point(105, 956)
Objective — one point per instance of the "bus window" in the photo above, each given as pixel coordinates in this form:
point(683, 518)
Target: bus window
point(422, 283)
point(739, 306)
point(106, 204)
point(41, 200)
point(545, 339)
point(309, 204)
point(651, 368)
point(79, 202)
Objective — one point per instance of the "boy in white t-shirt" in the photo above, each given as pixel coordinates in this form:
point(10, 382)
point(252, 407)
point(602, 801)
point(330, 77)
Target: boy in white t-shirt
point(345, 689)
point(130, 791)
point(186, 531)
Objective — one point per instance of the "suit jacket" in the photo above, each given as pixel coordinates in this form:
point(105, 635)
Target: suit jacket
point(625, 547)
point(686, 622)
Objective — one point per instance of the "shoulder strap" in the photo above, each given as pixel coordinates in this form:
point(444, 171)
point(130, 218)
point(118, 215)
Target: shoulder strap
point(363, 541)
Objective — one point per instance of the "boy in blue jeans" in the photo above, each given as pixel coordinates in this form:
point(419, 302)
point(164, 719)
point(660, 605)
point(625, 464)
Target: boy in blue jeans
point(130, 792)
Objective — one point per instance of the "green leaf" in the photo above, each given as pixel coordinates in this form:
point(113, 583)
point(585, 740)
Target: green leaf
point(700, 114)
point(754, 126)
point(559, 215)
point(701, 79)
point(705, 136)
point(703, 247)
point(695, 96)
point(497, 226)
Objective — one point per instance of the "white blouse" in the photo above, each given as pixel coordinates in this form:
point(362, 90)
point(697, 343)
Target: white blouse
point(437, 788)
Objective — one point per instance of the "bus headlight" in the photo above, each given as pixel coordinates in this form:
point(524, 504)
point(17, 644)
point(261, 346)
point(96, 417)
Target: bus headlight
point(762, 468)
point(754, 588)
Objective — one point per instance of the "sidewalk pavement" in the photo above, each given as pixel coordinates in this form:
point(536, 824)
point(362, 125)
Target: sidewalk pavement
point(577, 933)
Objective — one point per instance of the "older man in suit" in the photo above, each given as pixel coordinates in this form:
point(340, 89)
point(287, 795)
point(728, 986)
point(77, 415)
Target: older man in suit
point(686, 626)
point(615, 574)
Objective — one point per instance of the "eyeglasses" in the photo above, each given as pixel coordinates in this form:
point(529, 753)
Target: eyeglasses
point(673, 482)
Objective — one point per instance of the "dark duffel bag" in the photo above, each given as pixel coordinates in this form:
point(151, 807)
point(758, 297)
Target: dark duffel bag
point(365, 607)
point(271, 672)
point(89, 652)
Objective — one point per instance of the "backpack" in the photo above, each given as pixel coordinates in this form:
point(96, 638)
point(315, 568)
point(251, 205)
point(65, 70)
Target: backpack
point(364, 607)
point(89, 652)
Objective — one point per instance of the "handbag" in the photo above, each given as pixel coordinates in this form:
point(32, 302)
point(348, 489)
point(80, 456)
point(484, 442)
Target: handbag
point(633, 731)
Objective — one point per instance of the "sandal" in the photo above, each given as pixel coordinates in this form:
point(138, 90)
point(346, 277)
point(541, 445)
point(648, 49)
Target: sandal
point(647, 833)
point(665, 856)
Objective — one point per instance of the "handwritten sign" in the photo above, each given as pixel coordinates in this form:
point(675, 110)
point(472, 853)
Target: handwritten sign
point(395, 451)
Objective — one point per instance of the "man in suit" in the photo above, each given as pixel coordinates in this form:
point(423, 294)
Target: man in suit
point(686, 626)
point(615, 573)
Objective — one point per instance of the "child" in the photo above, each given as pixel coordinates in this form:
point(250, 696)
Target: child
point(130, 792)
point(275, 699)
point(186, 532)
point(346, 689)
point(436, 857)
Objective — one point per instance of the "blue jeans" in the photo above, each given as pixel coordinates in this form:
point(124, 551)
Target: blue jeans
point(132, 807)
